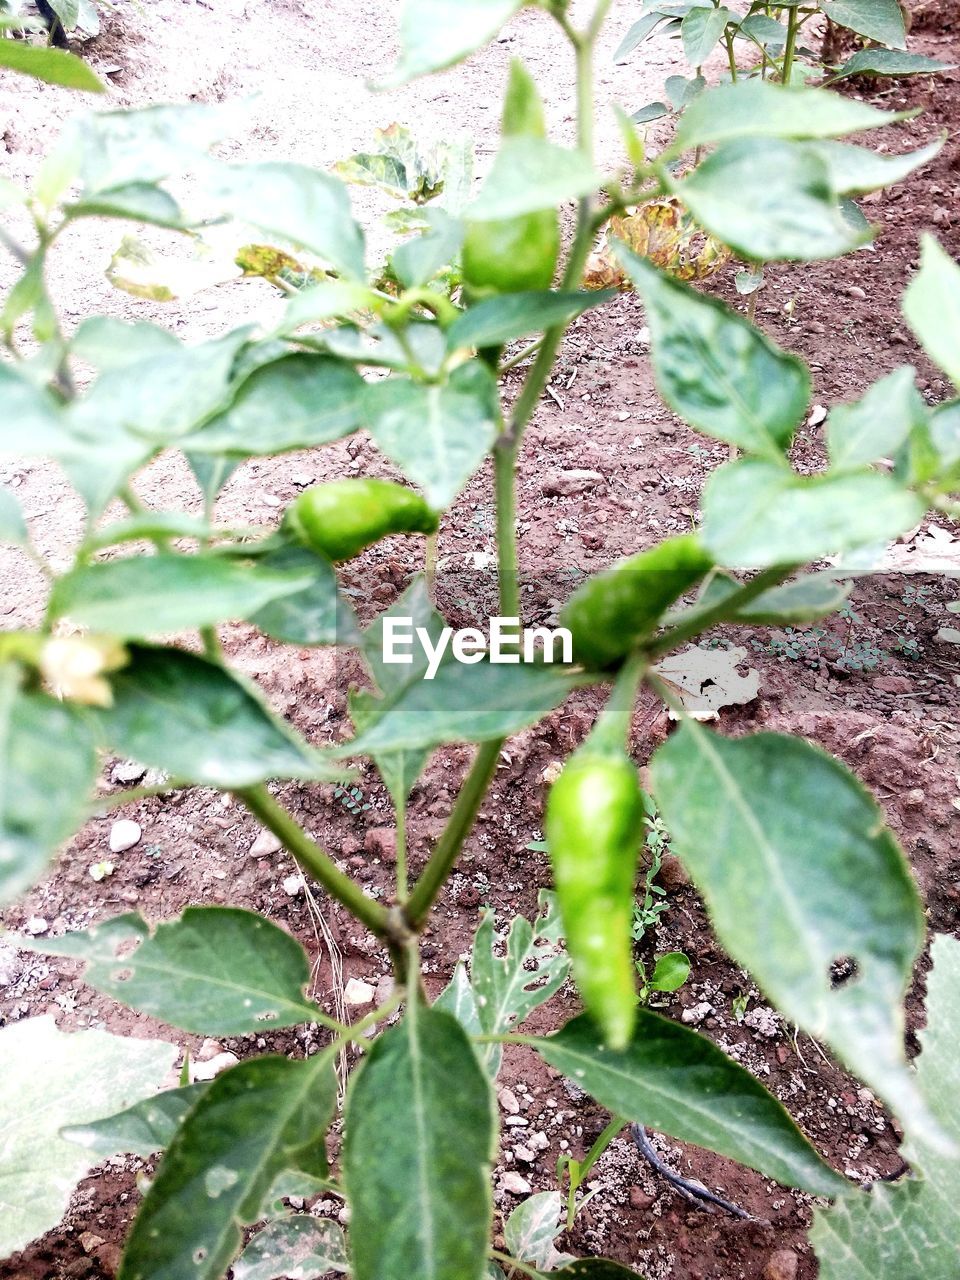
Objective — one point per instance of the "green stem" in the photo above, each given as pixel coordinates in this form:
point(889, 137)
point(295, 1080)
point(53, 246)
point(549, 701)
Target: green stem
point(793, 26)
point(400, 810)
point(731, 56)
point(611, 733)
point(458, 827)
point(514, 1264)
point(721, 612)
point(508, 557)
point(430, 567)
point(529, 350)
point(314, 860)
point(212, 647)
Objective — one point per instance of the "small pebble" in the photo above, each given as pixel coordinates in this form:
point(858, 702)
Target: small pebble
point(265, 843)
point(515, 1184)
point(207, 1070)
point(124, 834)
point(292, 885)
point(508, 1100)
point(358, 992)
point(36, 925)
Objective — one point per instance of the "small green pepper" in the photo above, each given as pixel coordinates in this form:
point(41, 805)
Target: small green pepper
point(511, 255)
point(340, 519)
point(611, 612)
point(594, 828)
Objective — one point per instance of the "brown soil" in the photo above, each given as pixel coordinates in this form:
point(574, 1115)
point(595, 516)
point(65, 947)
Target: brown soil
point(855, 689)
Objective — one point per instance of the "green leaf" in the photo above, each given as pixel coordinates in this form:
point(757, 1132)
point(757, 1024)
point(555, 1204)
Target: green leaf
point(49, 1079)
point(880, 20)
point(302, 1246)
point(305, 207)
point(434, 34)
point(757, 514)
point(637, 34)
point(31, 424)
point(109, 343)
point(533, 967)
point(813, 596)
point(515, 315)
point(141, 1130)
point(318, 614)
point(132, 411)
point(319, 302)
point(890, 62)
point(652, 111)
point(137, 201)
point(423, 1206)
point(13, 527)
point(763, 30)
point(945, 436)
point(858, 170)
point(142, 596)
point(768, 199)
point(715, 369)
point(877, 425)
point(254, 1122)
point(910, 1228)
point(533, 1226)
point(662, 1079)
point(215, 971)
point(54, 66)
point(118, 148)
point(530, 174)
point(700, 31)
point(42, 741)
point(670, 972)
point(197, 722)
point(799, 873)
point(399, 769)
point(437, 434)
point(757, 108)
point(462, 704)
point(296, 402)
point(418, 260)
point(931, 306)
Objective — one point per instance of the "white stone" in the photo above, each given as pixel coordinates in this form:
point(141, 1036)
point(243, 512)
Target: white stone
point(358, 992)
point(36, 925)
point(293, 885)
point(696, 1013)
point(538, 1141)
point(124, 834)
point(515, 1184)
point(524, 1154)
point(207, 1070)
point(127, 772)
point(266, 842)
point(508, 1100)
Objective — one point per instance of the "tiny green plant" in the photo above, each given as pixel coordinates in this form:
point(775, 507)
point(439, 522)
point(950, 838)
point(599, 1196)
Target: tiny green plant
point(790, 853)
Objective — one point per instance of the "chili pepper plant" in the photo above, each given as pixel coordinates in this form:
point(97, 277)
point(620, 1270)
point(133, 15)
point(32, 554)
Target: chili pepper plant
point(790, 853)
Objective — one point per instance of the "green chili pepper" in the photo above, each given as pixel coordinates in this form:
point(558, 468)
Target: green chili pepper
point(340, 519)
point(595, 827)
point(510, 255)
point(611, 612)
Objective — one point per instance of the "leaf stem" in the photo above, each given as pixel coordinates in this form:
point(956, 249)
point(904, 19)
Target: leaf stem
point(458, 827)
point(720, 612)
point(790, 48)
point(731, 56)
point(316, 861)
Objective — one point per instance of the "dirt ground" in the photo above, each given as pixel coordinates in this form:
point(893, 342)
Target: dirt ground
point(876, 687)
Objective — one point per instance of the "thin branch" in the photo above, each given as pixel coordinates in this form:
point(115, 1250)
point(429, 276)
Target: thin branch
point(691, 1191)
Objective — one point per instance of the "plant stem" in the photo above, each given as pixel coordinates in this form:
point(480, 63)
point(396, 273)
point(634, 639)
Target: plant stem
point(529, 350)
point(508, 559)
point(731, 57)
point(400, 810)
point(793, 25)
point(720, 612)
point(314, 860)
point(458, 827)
